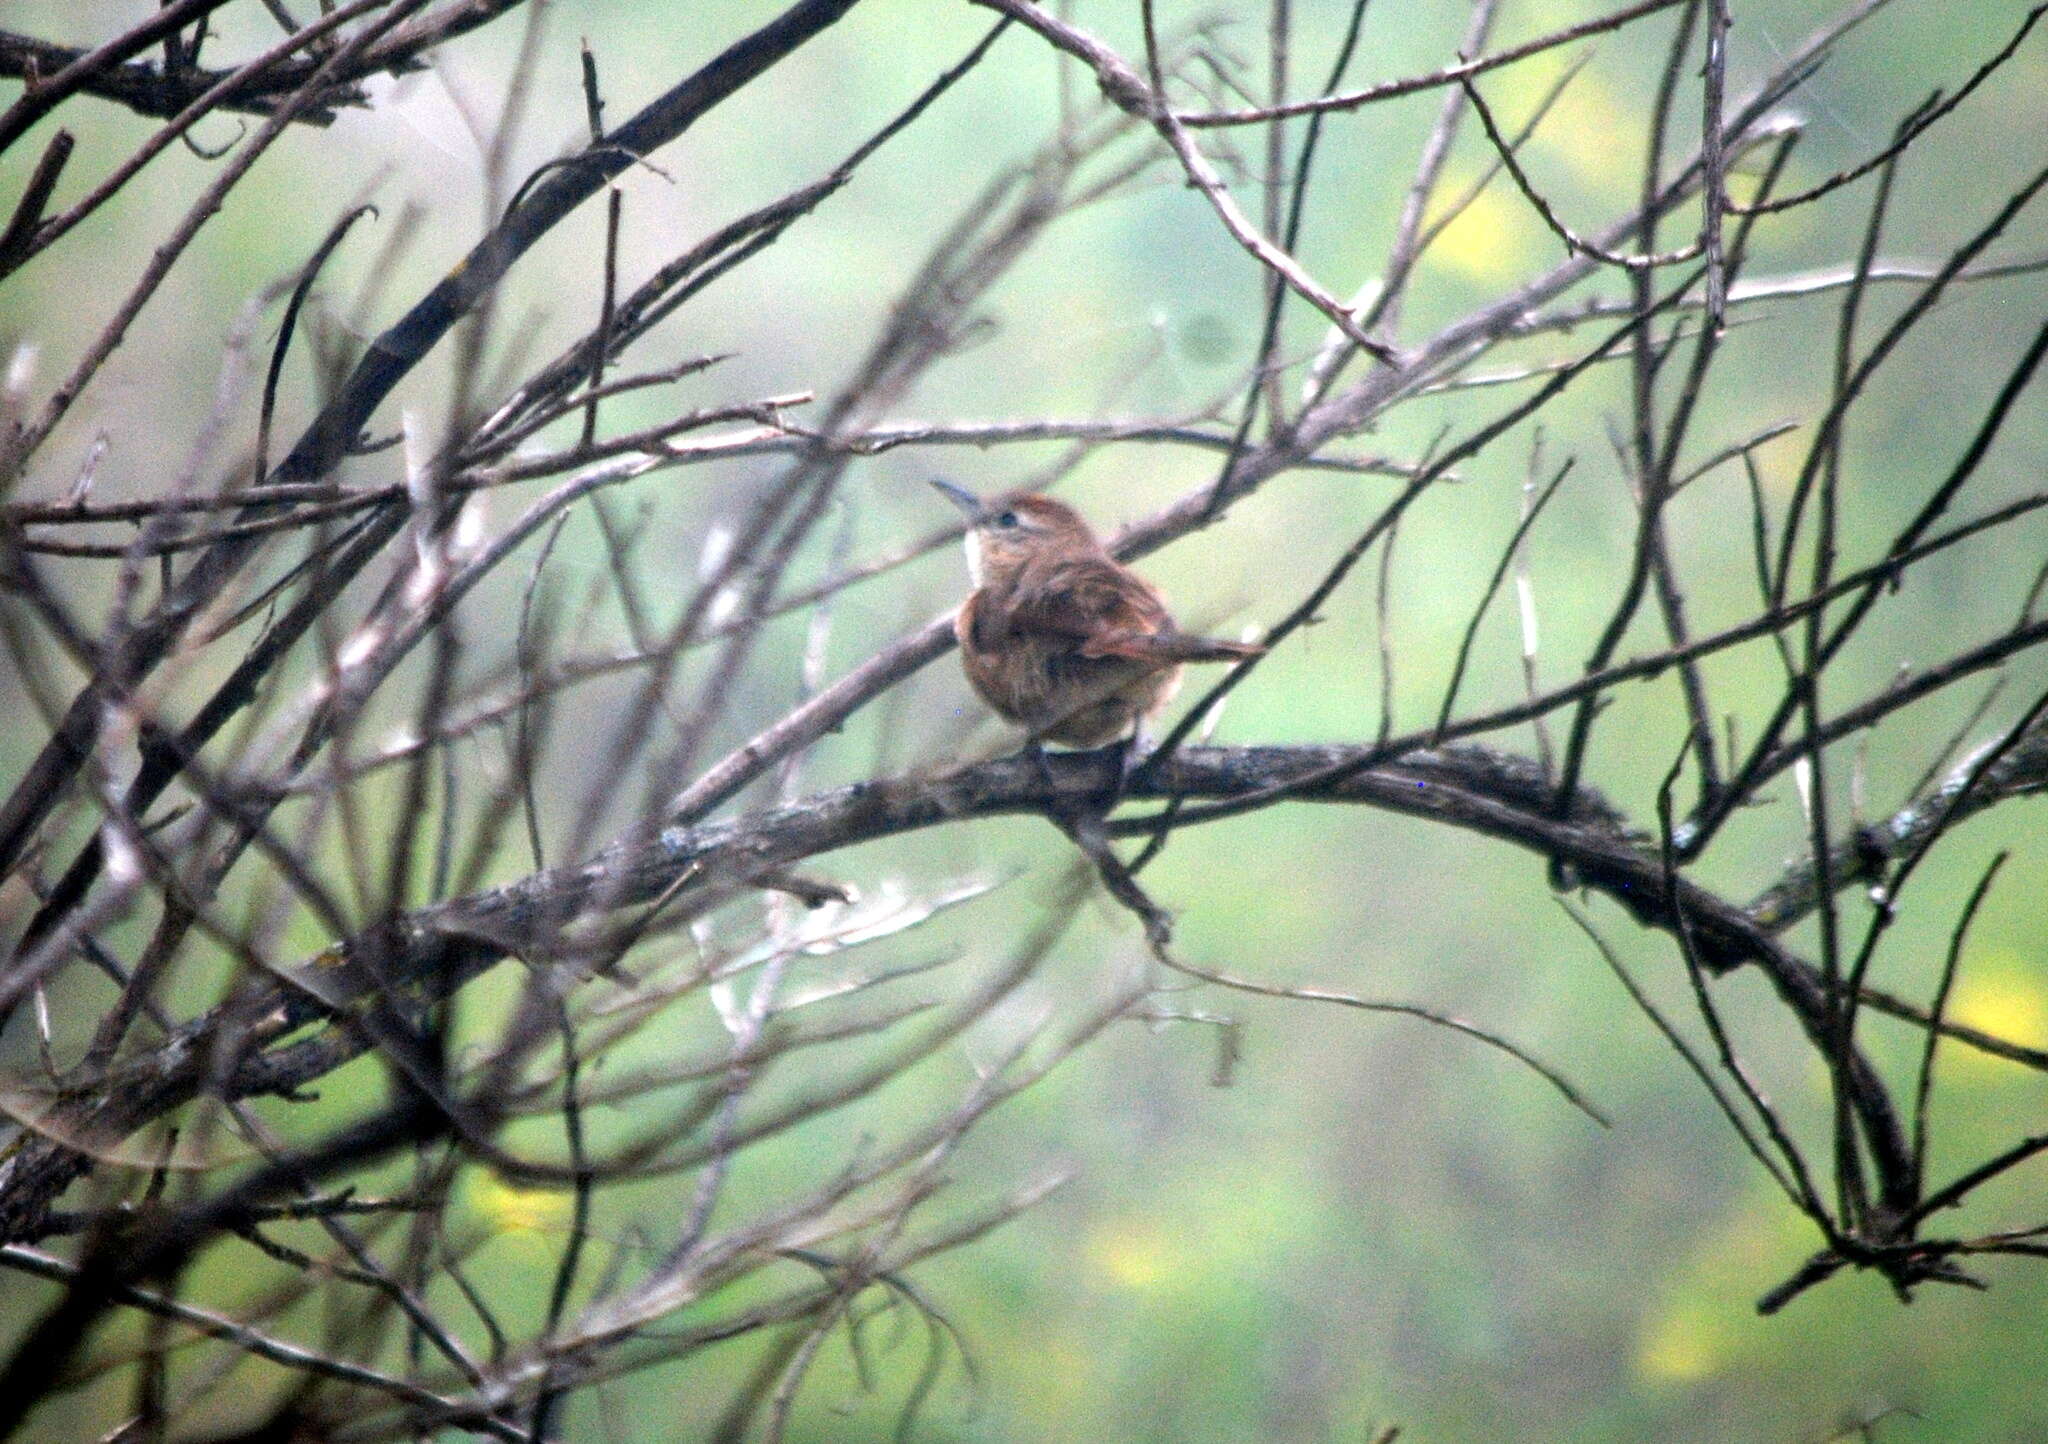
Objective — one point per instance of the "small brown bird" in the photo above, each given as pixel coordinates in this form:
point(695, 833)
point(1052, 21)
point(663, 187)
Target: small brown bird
point(1060, 637)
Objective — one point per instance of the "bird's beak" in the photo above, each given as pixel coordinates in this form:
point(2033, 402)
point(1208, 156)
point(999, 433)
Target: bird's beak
point(961, 497)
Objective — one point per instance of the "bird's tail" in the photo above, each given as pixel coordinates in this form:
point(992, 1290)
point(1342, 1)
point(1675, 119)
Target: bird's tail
point(1168, 647)
point(1210, 649)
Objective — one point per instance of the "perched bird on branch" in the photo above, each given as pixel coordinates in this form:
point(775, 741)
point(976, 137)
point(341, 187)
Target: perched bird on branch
point(1060, 637)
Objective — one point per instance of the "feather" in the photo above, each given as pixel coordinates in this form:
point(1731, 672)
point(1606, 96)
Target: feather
point(1059, 637)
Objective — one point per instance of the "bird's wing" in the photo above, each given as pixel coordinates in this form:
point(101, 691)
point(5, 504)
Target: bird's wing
point(1101, 610)
point(1084, 601)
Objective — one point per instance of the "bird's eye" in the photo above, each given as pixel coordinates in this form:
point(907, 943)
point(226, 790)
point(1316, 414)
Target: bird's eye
point(1007, 519)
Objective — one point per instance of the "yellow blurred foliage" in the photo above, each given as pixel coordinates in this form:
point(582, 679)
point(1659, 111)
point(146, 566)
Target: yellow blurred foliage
point(507, 1208)
point(2001, 996)
point(1135, 1255)
point(1701, 1324)
point(1485, 243)
point(1683, 1344)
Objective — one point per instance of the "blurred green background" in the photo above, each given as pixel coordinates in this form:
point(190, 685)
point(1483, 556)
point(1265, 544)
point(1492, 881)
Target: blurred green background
point(1378, 1223)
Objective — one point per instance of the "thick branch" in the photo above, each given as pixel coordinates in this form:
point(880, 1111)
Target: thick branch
point(693, 868)
point(1868, 852)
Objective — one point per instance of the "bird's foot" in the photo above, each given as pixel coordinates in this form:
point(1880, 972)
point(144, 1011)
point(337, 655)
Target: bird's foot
point(1137, 751)
point(1132, 753)
point(1035, 750)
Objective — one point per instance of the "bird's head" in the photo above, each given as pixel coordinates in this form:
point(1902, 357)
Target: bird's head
point(1005, 533)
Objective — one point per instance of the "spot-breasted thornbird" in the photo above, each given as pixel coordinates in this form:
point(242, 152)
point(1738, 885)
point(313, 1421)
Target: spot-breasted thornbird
point(1060, 637)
